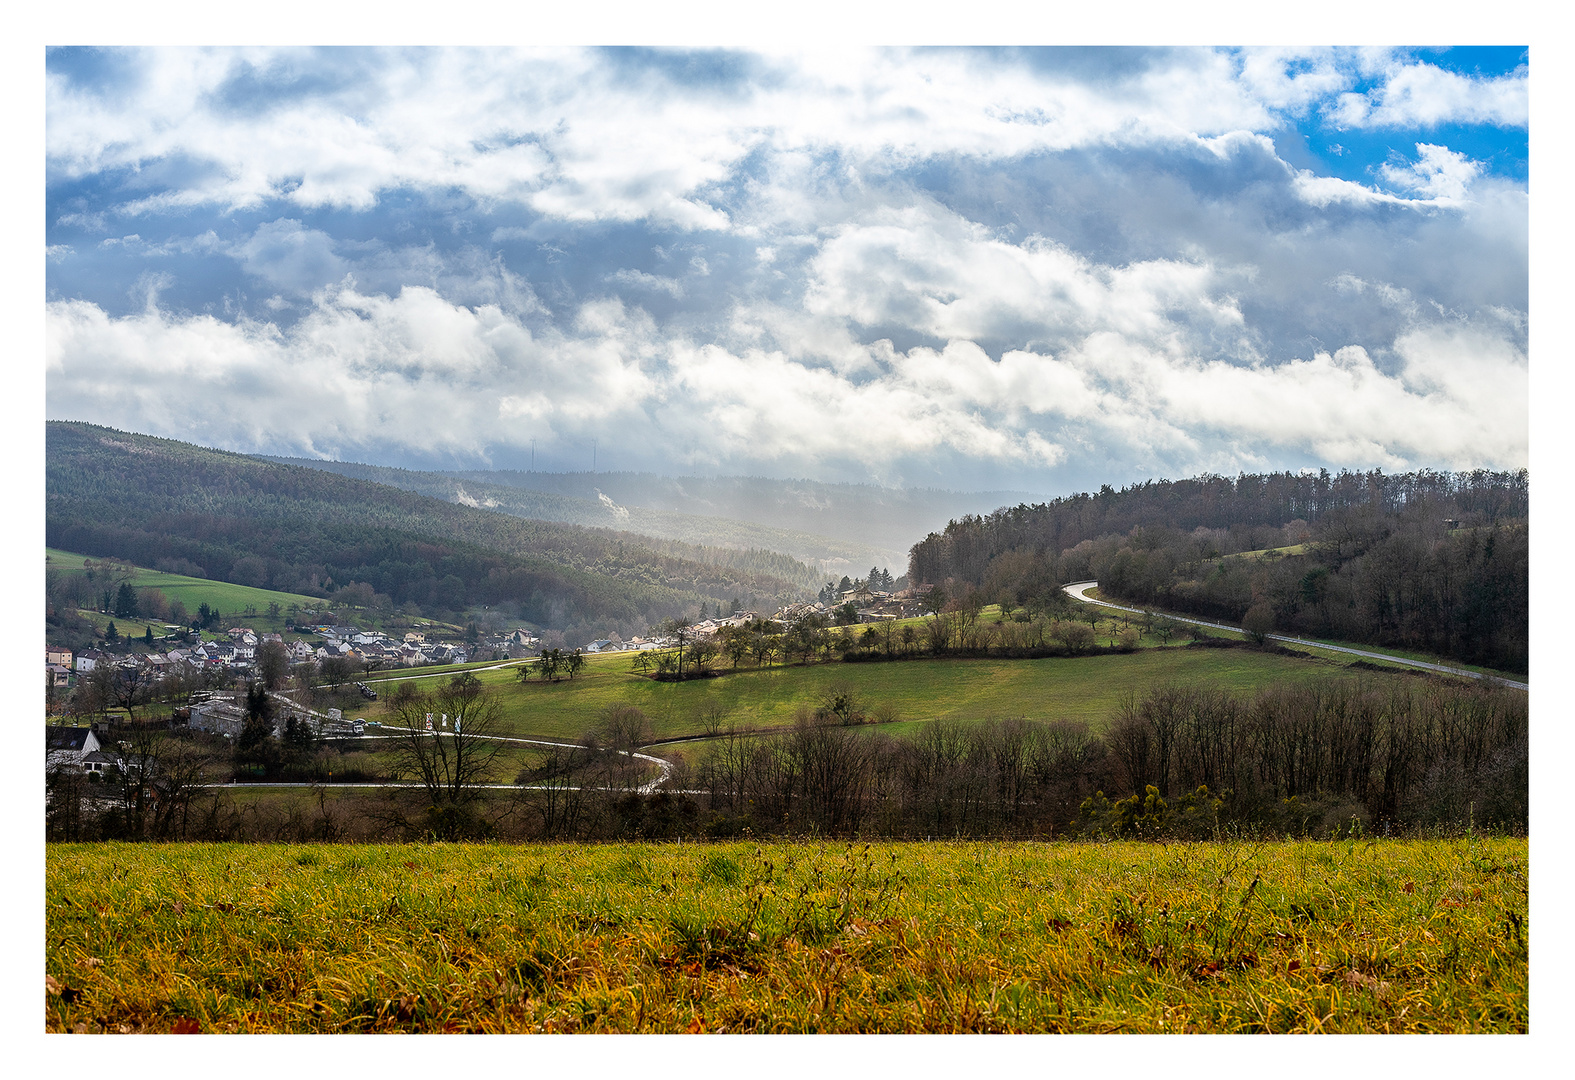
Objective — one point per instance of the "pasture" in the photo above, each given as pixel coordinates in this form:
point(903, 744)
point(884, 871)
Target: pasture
point(1087, 688)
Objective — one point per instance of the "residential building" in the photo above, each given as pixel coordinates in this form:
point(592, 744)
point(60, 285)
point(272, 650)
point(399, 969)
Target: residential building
point(65, 747)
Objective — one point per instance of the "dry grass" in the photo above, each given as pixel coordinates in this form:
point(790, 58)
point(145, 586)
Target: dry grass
point(1353, 936)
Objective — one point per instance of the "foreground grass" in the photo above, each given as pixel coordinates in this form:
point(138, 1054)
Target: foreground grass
point(1352, 936)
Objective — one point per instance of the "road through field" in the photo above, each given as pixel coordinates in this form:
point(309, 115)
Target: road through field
point(663, 764)
point(1078, 590)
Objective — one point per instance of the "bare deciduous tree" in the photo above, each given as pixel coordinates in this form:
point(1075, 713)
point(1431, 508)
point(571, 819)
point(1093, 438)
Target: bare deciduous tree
point(451, 761)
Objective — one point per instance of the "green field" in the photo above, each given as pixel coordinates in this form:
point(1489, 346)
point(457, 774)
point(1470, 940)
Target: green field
point(193, 591)
point(1347, 936)
point(1087, 688)
point(222, 596)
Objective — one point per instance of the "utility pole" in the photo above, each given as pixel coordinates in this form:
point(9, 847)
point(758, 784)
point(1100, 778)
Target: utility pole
point(593, 457)
point(533, 455)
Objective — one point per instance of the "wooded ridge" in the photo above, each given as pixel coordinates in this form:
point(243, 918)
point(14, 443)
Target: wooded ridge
point(1426, 560)
point(167, 504)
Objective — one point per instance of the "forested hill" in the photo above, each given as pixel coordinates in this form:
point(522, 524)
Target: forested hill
point(1428, 560)
point(759, 547)
point(172, 505)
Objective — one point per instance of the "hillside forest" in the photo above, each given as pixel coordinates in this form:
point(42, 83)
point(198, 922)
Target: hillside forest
point(1425, 560)
point(186, 509)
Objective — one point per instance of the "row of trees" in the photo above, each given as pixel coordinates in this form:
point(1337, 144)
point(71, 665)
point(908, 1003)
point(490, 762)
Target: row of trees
point(1409, 754)
point(552, 665)
point(1053, 626)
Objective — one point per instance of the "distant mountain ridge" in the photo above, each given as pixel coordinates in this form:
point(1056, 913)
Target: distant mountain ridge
point(843, 528)
point(826, 556)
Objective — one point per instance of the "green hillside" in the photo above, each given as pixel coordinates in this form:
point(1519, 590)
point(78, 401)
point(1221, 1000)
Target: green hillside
point(227, 517)
point(191, 591)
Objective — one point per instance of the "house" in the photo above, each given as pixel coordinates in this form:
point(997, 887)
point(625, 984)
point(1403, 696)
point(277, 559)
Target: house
point(57, 674)
point(600, 645)
point(54, 654)
point(100, 763)
point(88, 659)
point(65, 747)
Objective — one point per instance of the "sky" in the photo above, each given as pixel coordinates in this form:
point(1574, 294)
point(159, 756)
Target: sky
point(1035, 269)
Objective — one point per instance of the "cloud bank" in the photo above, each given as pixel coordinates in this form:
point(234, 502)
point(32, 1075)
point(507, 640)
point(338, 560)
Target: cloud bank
point(1047, 268)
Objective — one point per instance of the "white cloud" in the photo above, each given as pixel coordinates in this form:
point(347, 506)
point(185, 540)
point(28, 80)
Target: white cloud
point(419, 371)
point(1172, 297)
point(655, 283)
point(1438, 173)
point(1422, 95)
point(579, 139)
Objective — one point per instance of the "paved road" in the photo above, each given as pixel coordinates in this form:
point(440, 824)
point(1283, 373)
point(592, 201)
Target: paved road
point(645, 789)
point(1078, 590)
point(389, 675)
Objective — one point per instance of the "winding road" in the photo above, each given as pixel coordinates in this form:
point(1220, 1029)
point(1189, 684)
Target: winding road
point(1078, 590)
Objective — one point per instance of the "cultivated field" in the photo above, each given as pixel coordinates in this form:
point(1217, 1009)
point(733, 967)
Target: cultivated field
point(1348, 936)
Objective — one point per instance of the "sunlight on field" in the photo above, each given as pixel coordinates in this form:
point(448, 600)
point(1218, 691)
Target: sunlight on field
point(1346, 936)
point(1089, 689)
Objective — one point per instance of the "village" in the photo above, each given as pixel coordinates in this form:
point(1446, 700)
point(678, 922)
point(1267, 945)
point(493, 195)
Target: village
point(239, 655)
point(213, 676)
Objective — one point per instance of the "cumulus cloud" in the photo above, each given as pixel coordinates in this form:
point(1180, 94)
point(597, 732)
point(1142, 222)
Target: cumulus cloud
point(954, 266)
point(361, 371)
point(1423, 95)
point(579, 139)
point(1438, 172)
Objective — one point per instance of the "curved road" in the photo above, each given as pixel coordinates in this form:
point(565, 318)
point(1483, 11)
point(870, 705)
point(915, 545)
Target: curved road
point(644, 789)
point(1078, 590)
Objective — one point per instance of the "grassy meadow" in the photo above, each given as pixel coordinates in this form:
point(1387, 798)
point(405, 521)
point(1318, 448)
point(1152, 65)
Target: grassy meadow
point(223, 596)
point(1086, 688)
point(194, 591)
point(1346, 936)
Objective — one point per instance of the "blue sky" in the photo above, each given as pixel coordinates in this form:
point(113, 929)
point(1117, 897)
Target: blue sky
point(1042, 269)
